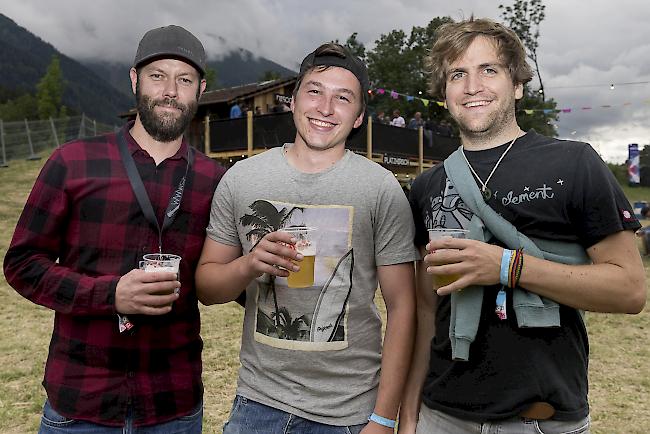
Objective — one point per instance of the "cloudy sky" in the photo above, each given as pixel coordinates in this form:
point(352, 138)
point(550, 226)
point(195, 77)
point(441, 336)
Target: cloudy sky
point(585, 45)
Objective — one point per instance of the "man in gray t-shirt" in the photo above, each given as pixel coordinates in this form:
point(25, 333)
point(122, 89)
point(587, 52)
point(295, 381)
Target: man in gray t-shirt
point(312, 356)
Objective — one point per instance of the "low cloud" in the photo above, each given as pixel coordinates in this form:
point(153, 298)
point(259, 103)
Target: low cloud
point(603, 43)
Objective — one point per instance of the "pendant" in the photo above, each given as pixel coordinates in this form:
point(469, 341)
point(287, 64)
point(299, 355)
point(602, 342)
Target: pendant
point(487, 193)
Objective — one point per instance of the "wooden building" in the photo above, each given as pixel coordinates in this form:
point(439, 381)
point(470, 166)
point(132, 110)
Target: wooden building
point(267, 122)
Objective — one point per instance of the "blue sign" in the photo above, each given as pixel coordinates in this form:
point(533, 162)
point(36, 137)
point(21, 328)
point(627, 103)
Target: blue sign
point(633, 163)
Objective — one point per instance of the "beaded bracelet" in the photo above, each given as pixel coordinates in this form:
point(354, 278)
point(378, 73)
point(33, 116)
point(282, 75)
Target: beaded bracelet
point(514, 270)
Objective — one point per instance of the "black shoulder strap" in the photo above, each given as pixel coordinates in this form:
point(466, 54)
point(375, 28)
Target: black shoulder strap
point(136, 181)
point(141, 193)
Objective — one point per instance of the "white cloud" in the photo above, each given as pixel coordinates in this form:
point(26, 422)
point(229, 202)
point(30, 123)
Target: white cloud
point(581, 42)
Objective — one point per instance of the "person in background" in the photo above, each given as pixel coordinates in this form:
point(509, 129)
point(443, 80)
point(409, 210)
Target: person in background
point(643, 234)
point(445, 128)
point(381, 117)
point(501, 343)
point(416, 122)
point(125, 352)
point(645, 212)
point(312, 359)
point(397, 121)
point(236, 111)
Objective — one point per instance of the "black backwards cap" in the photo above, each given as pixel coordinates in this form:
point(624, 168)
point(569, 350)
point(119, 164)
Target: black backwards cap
point(350, 62)
point(171, 41)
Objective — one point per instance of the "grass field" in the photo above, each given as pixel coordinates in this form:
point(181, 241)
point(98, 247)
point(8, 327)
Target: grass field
point(619, 367)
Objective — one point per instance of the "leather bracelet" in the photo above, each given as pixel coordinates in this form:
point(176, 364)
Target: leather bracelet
point(518, 268)
point(389, 423)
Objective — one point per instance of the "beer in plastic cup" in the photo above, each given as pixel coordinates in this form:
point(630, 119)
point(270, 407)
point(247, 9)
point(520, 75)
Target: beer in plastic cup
point(306, 245)
point(438, 233)
point(161, 262)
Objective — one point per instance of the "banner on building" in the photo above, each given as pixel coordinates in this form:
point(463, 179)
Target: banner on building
point(282, 98)
point(396, 161)
point(633, 163)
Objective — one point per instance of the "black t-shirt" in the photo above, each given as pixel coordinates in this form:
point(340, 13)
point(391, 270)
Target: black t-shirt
point(547, 188)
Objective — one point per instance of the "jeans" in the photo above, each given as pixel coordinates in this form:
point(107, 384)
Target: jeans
point(53, 423)
point(433, 421)
point(250, 417)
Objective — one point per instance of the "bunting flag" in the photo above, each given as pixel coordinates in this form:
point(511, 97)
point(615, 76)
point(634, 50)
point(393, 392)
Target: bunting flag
point(410, 98)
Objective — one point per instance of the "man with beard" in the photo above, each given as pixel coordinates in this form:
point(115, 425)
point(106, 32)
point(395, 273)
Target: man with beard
point(501, 343)
point(125, 352)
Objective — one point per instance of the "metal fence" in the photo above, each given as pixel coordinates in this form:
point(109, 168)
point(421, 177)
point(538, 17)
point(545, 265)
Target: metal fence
point(27, 138)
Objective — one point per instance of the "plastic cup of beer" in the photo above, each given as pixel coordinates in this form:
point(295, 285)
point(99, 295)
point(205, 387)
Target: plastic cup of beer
point(161, 262)
point(437, 233)
point(306, 245)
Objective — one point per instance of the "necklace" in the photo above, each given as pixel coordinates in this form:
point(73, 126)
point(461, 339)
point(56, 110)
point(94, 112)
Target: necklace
point(485, 191)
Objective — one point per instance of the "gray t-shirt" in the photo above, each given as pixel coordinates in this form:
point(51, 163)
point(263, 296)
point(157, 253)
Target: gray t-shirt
point(315, 352)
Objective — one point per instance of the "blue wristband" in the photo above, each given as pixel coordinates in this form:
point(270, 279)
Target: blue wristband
point(389, 423)
point(505, 266)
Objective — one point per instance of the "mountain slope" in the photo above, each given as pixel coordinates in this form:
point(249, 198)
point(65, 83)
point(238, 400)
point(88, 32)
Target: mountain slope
point(101, 90)
point(24, 58)
point(236, 68)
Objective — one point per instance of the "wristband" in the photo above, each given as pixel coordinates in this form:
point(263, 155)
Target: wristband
point(389, 423)
point(505, 266)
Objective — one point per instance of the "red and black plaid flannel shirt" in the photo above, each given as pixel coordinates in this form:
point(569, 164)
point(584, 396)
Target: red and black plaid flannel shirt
point(83, 213)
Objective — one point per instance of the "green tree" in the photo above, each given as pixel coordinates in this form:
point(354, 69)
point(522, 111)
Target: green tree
point(397, 63)
point(533, 112)
point(620, 172)
point(50, 90)
point(7, 94)
point(356, 47)
point(524, 18)
point(17, 109)
point(211, 79)
point(644, 156)
point(269, 75)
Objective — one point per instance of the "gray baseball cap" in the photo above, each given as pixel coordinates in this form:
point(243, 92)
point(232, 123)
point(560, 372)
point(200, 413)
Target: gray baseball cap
point(171, 41)
point(347, 61)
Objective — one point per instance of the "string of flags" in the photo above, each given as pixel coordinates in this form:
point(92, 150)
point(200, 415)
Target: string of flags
point(396, 95)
